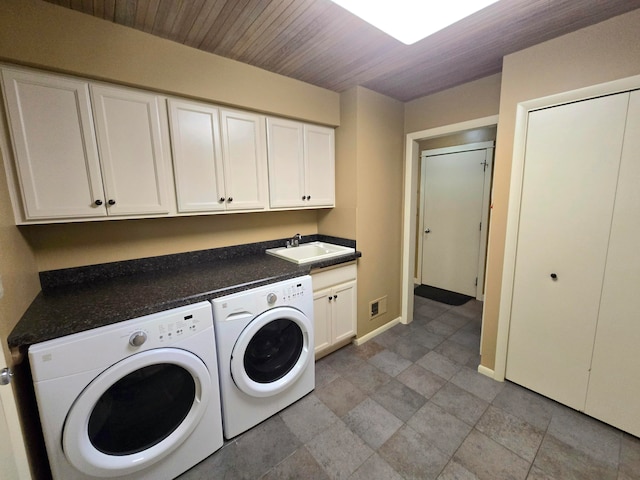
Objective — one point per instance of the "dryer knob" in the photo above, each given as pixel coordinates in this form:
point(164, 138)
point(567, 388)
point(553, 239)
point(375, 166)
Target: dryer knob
point(272, 298)
point(138, 338)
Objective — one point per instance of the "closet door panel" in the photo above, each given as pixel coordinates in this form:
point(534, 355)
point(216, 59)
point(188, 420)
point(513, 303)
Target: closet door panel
point(570, 174)
point(614, 386)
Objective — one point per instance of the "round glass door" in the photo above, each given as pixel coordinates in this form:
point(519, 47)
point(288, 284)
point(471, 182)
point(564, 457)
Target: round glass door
point(272, 352)
point(136, 412)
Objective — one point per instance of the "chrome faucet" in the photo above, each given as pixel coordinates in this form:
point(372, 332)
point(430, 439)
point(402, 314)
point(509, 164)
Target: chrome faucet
point(295, 241)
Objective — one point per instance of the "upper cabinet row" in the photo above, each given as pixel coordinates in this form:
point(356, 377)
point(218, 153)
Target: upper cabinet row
point(90, 151)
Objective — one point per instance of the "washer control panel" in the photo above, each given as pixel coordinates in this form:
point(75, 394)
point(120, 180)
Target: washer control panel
point(285, 292)
point(105, 345)
point(172, 328)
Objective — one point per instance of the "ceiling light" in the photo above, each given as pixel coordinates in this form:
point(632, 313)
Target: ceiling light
point(412, 20)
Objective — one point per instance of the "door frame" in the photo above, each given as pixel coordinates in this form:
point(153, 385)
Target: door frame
point(515, 196)
point(410, 201)
point(13, 439)
point(482, 247)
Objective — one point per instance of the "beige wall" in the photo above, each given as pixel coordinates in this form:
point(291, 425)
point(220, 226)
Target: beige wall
point(72, 245)
point(369, 160)
point(40, 34)
point(604, 52)
point(340, 221)
point(18, 268)
point(477, 99)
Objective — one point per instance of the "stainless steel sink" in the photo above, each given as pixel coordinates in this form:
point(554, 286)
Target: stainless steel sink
point(310, 252)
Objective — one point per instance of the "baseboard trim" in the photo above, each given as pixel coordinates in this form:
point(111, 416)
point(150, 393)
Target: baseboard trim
point(365, 338)
point(486, 371)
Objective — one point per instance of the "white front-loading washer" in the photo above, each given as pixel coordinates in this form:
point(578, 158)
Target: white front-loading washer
point(265, 351)
point(136, 400)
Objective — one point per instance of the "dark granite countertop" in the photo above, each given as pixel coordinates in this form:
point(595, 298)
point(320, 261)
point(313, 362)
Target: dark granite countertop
point(78, 299)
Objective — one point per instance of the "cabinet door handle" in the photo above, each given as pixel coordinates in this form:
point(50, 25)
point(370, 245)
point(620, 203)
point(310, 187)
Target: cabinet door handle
point(230, 199)
point(308, 197)
point(554, 276)
point(111, 202)
point(304, 197)
point(98, 202)
point(222, 199)
point(335, 297)
point(330, 298)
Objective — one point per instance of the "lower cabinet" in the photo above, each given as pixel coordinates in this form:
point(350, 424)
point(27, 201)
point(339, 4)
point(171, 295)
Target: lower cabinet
point(334, 307)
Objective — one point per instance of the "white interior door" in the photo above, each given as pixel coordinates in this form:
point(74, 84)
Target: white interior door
point(570, 174)
point(452, 216)
point(614, 383)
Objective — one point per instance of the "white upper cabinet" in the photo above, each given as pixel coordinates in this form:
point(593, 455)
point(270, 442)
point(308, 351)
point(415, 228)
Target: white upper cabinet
point(197, 156)
point(319, 154)
point(86, 150)
point(301, 164)
point(57, 163)
point(130, 139)
point(219, 158)
point(244, 160)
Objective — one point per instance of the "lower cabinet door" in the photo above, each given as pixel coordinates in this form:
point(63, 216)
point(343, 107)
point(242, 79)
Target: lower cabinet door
point(322, 319)
point(344, 311)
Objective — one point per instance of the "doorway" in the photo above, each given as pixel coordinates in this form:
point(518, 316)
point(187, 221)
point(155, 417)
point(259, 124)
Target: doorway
point(410, 201)
point(453, 217)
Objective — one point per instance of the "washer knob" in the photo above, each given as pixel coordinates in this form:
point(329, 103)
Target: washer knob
point(272, 298)
point(138, 338)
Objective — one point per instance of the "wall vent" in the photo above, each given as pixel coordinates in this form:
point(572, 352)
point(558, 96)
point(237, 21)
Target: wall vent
point(377, 307)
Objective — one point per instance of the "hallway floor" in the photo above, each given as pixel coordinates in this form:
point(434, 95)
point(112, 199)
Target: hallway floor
point(410, 404)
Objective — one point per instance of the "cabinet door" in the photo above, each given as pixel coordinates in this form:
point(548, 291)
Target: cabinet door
point(614, 384)
point(130, 139)
point(570, 173)
point(55, 145)
point(344, 311)
point(244, 158)
point(322, 319)
point(319, 153)
point(286, 163)
point(197, 156)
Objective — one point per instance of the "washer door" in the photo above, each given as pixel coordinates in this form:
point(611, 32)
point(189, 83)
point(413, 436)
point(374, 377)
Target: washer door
point(272, 352)
point(136, 412)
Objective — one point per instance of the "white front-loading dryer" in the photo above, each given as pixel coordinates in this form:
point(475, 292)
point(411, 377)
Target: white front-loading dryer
point(136, 400)
point(265, 351)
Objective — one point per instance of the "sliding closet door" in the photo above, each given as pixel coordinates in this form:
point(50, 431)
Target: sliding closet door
point(614, 386)
point(570, 174)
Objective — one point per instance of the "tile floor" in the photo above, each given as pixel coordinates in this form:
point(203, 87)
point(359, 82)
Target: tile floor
point(410, 404)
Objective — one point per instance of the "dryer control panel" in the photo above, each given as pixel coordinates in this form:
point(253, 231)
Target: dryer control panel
point(99, 347)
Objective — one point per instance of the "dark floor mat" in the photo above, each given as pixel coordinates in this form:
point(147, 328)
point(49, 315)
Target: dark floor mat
point(440, 295)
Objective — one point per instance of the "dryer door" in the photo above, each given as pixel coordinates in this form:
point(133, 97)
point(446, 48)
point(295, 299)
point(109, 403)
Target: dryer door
point(272, 352)
point(136, 412)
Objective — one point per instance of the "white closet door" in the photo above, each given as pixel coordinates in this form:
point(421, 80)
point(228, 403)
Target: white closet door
point(570, 174)
point(614, 386)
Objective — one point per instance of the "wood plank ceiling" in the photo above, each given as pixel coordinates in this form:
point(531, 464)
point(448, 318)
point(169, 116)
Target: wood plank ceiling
point(318, 42)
